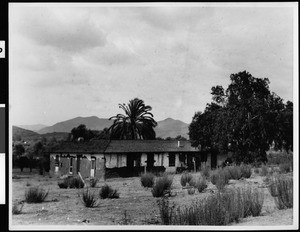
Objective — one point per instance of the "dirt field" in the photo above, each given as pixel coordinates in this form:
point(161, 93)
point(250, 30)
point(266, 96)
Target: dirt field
point(64, 206)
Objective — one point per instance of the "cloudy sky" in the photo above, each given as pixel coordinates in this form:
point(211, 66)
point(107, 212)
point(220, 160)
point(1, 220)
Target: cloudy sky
point(68, 61)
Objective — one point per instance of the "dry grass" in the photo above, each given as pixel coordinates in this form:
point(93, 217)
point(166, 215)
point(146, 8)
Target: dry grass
point(64, 206)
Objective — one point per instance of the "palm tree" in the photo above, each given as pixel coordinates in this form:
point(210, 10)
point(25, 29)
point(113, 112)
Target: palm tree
point(137, 123)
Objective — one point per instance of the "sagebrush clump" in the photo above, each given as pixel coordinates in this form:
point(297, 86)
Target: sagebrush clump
point(35, 195)
point(71, 182)
point(185, 178)
point(162, 186)
point(88, 198)
point(281, 189)
point(220, 178)
point(147, 179)
point(108, 192)
point(221, 208)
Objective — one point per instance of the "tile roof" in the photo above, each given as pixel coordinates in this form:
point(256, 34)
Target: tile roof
point(125, 146)
point(94, 146)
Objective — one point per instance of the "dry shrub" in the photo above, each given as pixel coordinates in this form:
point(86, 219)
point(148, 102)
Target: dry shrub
point(162, 186)
point(88, 199)
point(191, 191)
point(147, 179)
point(220, 178)
point(108, 192)
point(253, 200)
point(185, 178)
point(201, 184)
point(17, 207)
point(35, 195)
point(221, 208)
point(93, 182)
point(246, 171)
point(71, 182)
point(166, 210)
point(206, 172)
point(264, 170)
point(234, 172)
point(285, 167)
point(281, 188)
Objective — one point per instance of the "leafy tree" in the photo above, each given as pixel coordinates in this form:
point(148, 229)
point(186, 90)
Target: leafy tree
point(137, 123)
point(18, 150)
point(245, 118)
point(83, 132)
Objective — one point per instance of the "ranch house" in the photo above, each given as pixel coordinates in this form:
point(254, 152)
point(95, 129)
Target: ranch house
point(103, 158)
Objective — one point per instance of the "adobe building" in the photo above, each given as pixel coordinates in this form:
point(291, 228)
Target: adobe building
point(98, 158)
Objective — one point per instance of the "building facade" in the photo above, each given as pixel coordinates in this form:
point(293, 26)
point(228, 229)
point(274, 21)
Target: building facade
point(97, 158)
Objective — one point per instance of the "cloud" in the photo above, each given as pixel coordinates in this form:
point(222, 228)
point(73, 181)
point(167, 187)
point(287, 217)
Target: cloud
point(62, 29)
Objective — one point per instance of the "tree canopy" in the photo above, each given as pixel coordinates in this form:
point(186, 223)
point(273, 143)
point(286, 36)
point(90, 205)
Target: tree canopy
point(246, 118)
point(136, 123)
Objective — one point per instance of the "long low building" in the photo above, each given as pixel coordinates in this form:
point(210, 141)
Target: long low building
point(97, 158)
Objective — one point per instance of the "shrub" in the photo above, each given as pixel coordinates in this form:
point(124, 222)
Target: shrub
point(17, 208)
point(162, 186)
point(264, 170)
point(201, 184)
point(234, 172)
point(253, 201)
point(216, 209)
point(71, 182)
point(246, 171)
point(285, 167)
point(220, 178)
point(281, 188)
point(64, 184)
point(93, 182)
point(185, 178)
point(35, 195)
point(277, 158)
point(206, 172)
point(89, 199)
point(191, 191)
point(147, 179)
point(75, 182)
point(108, 192)
point(166, 210)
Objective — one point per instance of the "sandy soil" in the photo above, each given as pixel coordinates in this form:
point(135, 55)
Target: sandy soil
point(64, 206)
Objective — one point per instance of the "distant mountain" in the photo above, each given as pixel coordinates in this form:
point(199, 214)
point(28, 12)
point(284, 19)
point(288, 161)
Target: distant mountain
point(27, 135)
point(93, 123)
point(20, 133)
point(34, 128)
point(165, 128)
point(171, 128)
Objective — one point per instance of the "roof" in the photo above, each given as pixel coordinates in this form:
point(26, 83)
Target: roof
point(94, 146)
point(125, 146)
point(128, 146)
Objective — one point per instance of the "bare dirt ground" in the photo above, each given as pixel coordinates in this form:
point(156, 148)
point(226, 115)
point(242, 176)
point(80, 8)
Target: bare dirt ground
point(64, 206)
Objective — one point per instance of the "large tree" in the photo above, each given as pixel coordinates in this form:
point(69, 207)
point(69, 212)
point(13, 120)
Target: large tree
point(246, 118)
point(136, 123)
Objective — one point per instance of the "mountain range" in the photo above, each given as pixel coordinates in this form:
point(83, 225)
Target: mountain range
point(165, 128)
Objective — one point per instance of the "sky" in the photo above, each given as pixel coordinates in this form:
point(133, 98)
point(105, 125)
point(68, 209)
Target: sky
point(68, 60)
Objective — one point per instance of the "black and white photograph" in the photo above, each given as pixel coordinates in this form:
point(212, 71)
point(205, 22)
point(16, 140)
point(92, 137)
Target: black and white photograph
point(153, 116)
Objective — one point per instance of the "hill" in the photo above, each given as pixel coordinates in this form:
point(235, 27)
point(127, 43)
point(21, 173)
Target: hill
point(93, 123)
point(28, 135)
point(171, 128)
point(165, 128)
point(34, 128)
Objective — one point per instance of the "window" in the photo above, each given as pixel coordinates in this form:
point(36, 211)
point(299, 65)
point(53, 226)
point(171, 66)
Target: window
point(93, 163)
point(171, 160)
point(71, 165)
point(57, 160)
